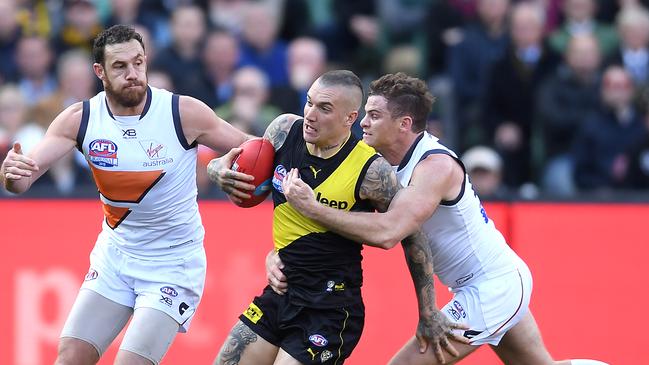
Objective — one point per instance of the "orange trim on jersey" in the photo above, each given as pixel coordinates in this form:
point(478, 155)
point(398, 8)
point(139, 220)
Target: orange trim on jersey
point(115, 215)
point(125, 186)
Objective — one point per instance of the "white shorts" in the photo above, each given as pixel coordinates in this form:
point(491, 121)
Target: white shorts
point(172, 286)
point(490, 307)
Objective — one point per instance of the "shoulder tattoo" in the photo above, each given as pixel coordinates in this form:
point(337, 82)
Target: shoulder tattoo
point(380, 184)
point(278, 130)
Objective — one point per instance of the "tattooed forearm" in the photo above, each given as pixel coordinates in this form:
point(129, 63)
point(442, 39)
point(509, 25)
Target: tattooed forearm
point(380, 184)
point(278, 129)
point(419, 258)
point(240, 337)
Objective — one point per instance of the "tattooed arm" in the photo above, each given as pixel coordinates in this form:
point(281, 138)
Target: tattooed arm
point(278, 129)
point(435, 178)
point(434, 327)
point(236, 184)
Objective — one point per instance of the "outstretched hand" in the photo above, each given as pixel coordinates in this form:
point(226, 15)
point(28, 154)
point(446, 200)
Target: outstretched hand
point(298, 193)
point(235, 184)
point(17, 166)
point(435, 331)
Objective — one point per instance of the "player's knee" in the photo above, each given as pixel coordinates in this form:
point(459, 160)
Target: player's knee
point(76, 352)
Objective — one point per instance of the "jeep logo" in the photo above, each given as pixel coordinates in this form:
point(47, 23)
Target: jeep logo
point(339, 204)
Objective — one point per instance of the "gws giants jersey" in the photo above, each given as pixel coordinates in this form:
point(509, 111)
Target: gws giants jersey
point(146, 176)
point(465, 243)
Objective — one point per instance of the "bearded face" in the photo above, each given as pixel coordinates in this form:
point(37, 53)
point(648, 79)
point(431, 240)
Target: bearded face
point(124, 73)
point(128, 95)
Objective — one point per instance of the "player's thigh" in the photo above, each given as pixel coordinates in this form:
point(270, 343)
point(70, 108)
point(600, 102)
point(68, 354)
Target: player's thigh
point(244, 347)
point(410, 355)
point(94, 320)
point(523, 345)
point(284, 358)
point(148, 337)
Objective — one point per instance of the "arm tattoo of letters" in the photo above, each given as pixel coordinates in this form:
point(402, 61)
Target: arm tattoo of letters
point(240, 337)
point(419, 258)
point(380, 184)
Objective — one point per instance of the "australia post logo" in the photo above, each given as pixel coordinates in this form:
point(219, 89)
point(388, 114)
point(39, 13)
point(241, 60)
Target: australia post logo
point(103, 152)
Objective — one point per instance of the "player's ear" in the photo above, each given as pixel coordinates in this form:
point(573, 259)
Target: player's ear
point(99, 70)
point(351, 118)
point(405, 123)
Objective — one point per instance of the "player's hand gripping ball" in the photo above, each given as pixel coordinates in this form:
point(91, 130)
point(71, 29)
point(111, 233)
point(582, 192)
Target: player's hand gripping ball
point(256, 159)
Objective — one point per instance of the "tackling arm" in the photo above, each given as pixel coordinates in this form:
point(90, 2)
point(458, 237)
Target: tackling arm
point(437, 177)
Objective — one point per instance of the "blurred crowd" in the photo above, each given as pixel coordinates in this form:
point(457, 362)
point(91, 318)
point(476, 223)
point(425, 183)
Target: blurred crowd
point(544, 98)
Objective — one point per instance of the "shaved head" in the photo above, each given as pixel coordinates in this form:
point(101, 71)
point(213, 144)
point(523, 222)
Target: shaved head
point(348, 82)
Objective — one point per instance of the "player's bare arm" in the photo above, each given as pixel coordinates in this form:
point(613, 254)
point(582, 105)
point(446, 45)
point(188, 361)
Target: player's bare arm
point(380, 184)
point(235, 183)
point(19, 171)
point(433, 328)
point(436, 178)
point(202, 125)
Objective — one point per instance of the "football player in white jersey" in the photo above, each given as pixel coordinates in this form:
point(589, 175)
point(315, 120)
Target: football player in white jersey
point(491, 284)
point(148, 262)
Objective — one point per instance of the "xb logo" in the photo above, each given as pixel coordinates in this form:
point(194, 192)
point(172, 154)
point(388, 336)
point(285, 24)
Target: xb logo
point(129, 133)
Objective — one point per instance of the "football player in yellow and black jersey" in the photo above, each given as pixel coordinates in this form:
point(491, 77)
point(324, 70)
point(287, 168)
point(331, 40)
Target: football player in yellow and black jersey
point(321, 317)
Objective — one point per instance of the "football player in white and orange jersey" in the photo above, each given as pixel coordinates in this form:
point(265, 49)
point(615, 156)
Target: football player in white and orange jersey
point(148, 261)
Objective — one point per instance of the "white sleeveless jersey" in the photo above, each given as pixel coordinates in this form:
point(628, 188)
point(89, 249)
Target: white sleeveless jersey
point(464, 241)
point(146, 176)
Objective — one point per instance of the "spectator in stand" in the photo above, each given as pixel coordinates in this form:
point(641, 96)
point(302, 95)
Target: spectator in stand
point(220, 58)
point(34, 58)
point(82, 25)
point(76, 83)
point(638, 175)
point(260, 46)
point(512, 88)
point(579, 17)
point(9, 35)
point(483, 43)
point(307, 60)
point(484, 167)
point(149, 44)
point(160, 79)
point(633, 54)
point(566, 97)
point(227, 14)
point(14, 125)
point(182, 59)
point(130, 12)
point(444, 30)
point(249, 110)
point(602, 144)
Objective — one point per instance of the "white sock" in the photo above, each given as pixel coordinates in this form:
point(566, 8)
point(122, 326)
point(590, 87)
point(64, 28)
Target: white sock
point(587, 362)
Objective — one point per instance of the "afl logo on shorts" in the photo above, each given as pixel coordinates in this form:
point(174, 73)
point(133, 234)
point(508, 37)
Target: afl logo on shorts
point(169, 291)
point(91, 275)
point(318, 340)
point(278, 177)
point(103, 152)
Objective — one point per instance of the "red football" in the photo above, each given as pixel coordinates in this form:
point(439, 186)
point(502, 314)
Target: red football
point(256, 159)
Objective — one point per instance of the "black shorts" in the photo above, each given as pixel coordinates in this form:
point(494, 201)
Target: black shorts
point(310, 335)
